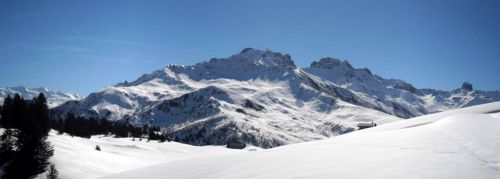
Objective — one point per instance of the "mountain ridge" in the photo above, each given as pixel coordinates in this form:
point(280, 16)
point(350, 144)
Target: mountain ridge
point(204, 103)
point(54, 98)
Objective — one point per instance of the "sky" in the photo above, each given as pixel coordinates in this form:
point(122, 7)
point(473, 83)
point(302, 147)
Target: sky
point(84, 46)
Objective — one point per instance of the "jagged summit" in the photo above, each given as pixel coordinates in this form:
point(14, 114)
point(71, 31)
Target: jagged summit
point(41, 89)
point(248, 64)
point(255, 57)
point(330, 63)
point(400, 84)
point(467, 86)
point(341, 67)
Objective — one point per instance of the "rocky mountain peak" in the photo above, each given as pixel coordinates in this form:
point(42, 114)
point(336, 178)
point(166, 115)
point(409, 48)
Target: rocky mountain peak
point(263, 58)
point(399, 84)
point(330, 63)
point(467, 86)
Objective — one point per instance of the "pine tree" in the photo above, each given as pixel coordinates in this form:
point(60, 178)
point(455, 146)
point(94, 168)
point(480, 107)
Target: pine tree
point(32, 159)
point(8, 148)
point(32, 151)
point(6, 113)
point(53, 173)
point(40, 112)
point(93, 126)
point(69, 124)
point(19, 111)
point(58, 124)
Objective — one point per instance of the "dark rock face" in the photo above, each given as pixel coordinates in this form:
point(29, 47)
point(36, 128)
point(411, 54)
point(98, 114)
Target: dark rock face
point(404, 86)
point(467, 86)
point(330, 63)
point(401, 111)
point(279, 59)
point(253, 105)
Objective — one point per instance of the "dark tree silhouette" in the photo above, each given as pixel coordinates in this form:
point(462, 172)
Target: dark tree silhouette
point(53, 173)
point(83, 127)
point(25, 138)
point(7, 118)
point(8, 141)
point(19, 112)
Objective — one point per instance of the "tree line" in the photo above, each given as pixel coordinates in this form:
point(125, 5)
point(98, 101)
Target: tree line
point(86, 127)
point(24, 149)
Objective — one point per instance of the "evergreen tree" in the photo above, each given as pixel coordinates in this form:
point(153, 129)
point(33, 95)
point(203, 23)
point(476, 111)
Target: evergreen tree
point(6, 113)
point(31, 151)
point(93, 126)
point(58, 124)
point(69, 124)
point(53, 173)
point(40, 112)
point(19, 111)
point(83, 127)
point(32, 159)
point(8, 141)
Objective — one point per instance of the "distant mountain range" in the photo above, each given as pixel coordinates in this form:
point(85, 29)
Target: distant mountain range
point(54, 98)
point(263, 98)
point(397, 97)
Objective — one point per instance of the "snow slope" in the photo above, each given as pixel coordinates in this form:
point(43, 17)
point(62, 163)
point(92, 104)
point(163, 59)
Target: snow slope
point(460, 143)
point(54, 98)
point(76, 158)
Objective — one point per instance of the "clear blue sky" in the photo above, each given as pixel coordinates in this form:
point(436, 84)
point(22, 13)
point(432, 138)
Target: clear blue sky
point(83, 46)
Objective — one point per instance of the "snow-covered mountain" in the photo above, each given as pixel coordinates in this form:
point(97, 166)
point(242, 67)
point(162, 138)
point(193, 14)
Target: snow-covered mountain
point(397, 96)
point(54, 98)
point(264, 99)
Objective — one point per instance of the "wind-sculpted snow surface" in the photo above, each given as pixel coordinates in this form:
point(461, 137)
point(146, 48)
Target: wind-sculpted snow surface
point(459, 143)
point(264, 99)
point(54, 98)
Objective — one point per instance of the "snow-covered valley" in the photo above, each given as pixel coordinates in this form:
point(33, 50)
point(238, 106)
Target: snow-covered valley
point(76, 158)
point(460, 143)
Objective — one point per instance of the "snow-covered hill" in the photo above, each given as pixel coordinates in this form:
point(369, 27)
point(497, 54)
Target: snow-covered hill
point(262, 98)
point(76, 158)
point(54, 98)
point(459, 143)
